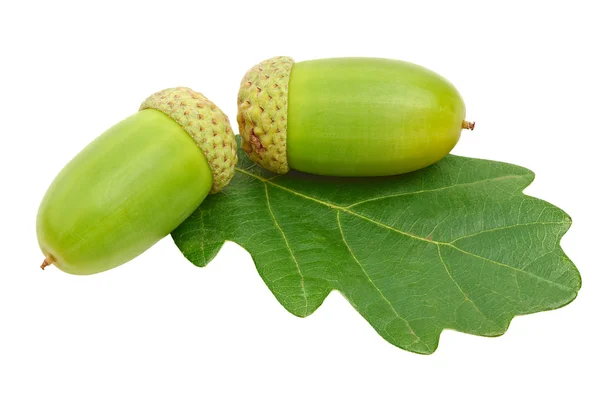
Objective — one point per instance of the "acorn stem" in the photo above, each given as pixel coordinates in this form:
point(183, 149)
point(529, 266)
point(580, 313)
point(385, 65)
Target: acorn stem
point(47, 261)
point(468, 125)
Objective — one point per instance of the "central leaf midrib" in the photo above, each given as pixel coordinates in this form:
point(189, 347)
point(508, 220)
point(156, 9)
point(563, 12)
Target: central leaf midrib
point(416, 237)
point(327, 204)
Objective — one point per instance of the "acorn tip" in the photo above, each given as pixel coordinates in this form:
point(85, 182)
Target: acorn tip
point(468, 125)
point(47, 262)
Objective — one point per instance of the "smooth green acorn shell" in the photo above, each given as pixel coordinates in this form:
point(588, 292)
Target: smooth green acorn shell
point(134, 184)
point(347, 116)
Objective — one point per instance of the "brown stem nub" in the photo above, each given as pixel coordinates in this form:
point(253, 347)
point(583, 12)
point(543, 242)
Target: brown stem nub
point(468, 125)
point(48, 261)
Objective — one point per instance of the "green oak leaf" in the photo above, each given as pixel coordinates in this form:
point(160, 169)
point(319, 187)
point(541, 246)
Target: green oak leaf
point(456, 245)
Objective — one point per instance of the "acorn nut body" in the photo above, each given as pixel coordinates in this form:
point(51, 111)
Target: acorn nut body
point(347, 116)
point(136, 182)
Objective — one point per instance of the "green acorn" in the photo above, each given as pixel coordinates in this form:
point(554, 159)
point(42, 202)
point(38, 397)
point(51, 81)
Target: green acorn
point(136, 182)
point(348, 116)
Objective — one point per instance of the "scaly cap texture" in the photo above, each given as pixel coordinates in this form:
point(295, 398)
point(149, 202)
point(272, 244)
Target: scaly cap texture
point(262, 113)
point(205, 123)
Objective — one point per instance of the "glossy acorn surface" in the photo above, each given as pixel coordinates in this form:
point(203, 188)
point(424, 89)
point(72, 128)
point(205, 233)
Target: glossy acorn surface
point(348, 116)
point(128, 188)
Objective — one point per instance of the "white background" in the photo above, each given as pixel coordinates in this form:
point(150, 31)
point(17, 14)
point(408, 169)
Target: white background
point(159, 327)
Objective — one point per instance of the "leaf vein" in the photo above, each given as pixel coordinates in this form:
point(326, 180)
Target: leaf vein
point(562, 286)
point(411, 331)
point(500, 178)
point(506, 228)
point(463, 291)
point(287, 244)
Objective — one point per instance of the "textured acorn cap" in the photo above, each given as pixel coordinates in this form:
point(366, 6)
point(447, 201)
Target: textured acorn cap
point(262, 113)
point(205, 123)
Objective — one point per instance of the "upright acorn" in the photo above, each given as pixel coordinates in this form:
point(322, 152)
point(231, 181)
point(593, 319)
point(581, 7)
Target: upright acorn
point(347, 116)
point(136, 182)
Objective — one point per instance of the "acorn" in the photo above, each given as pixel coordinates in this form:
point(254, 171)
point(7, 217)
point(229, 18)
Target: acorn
point(136, 182)
point(348, 116)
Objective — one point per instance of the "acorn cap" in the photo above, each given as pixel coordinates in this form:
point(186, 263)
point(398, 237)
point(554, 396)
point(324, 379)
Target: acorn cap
point(205, 123)
point(262, 113)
